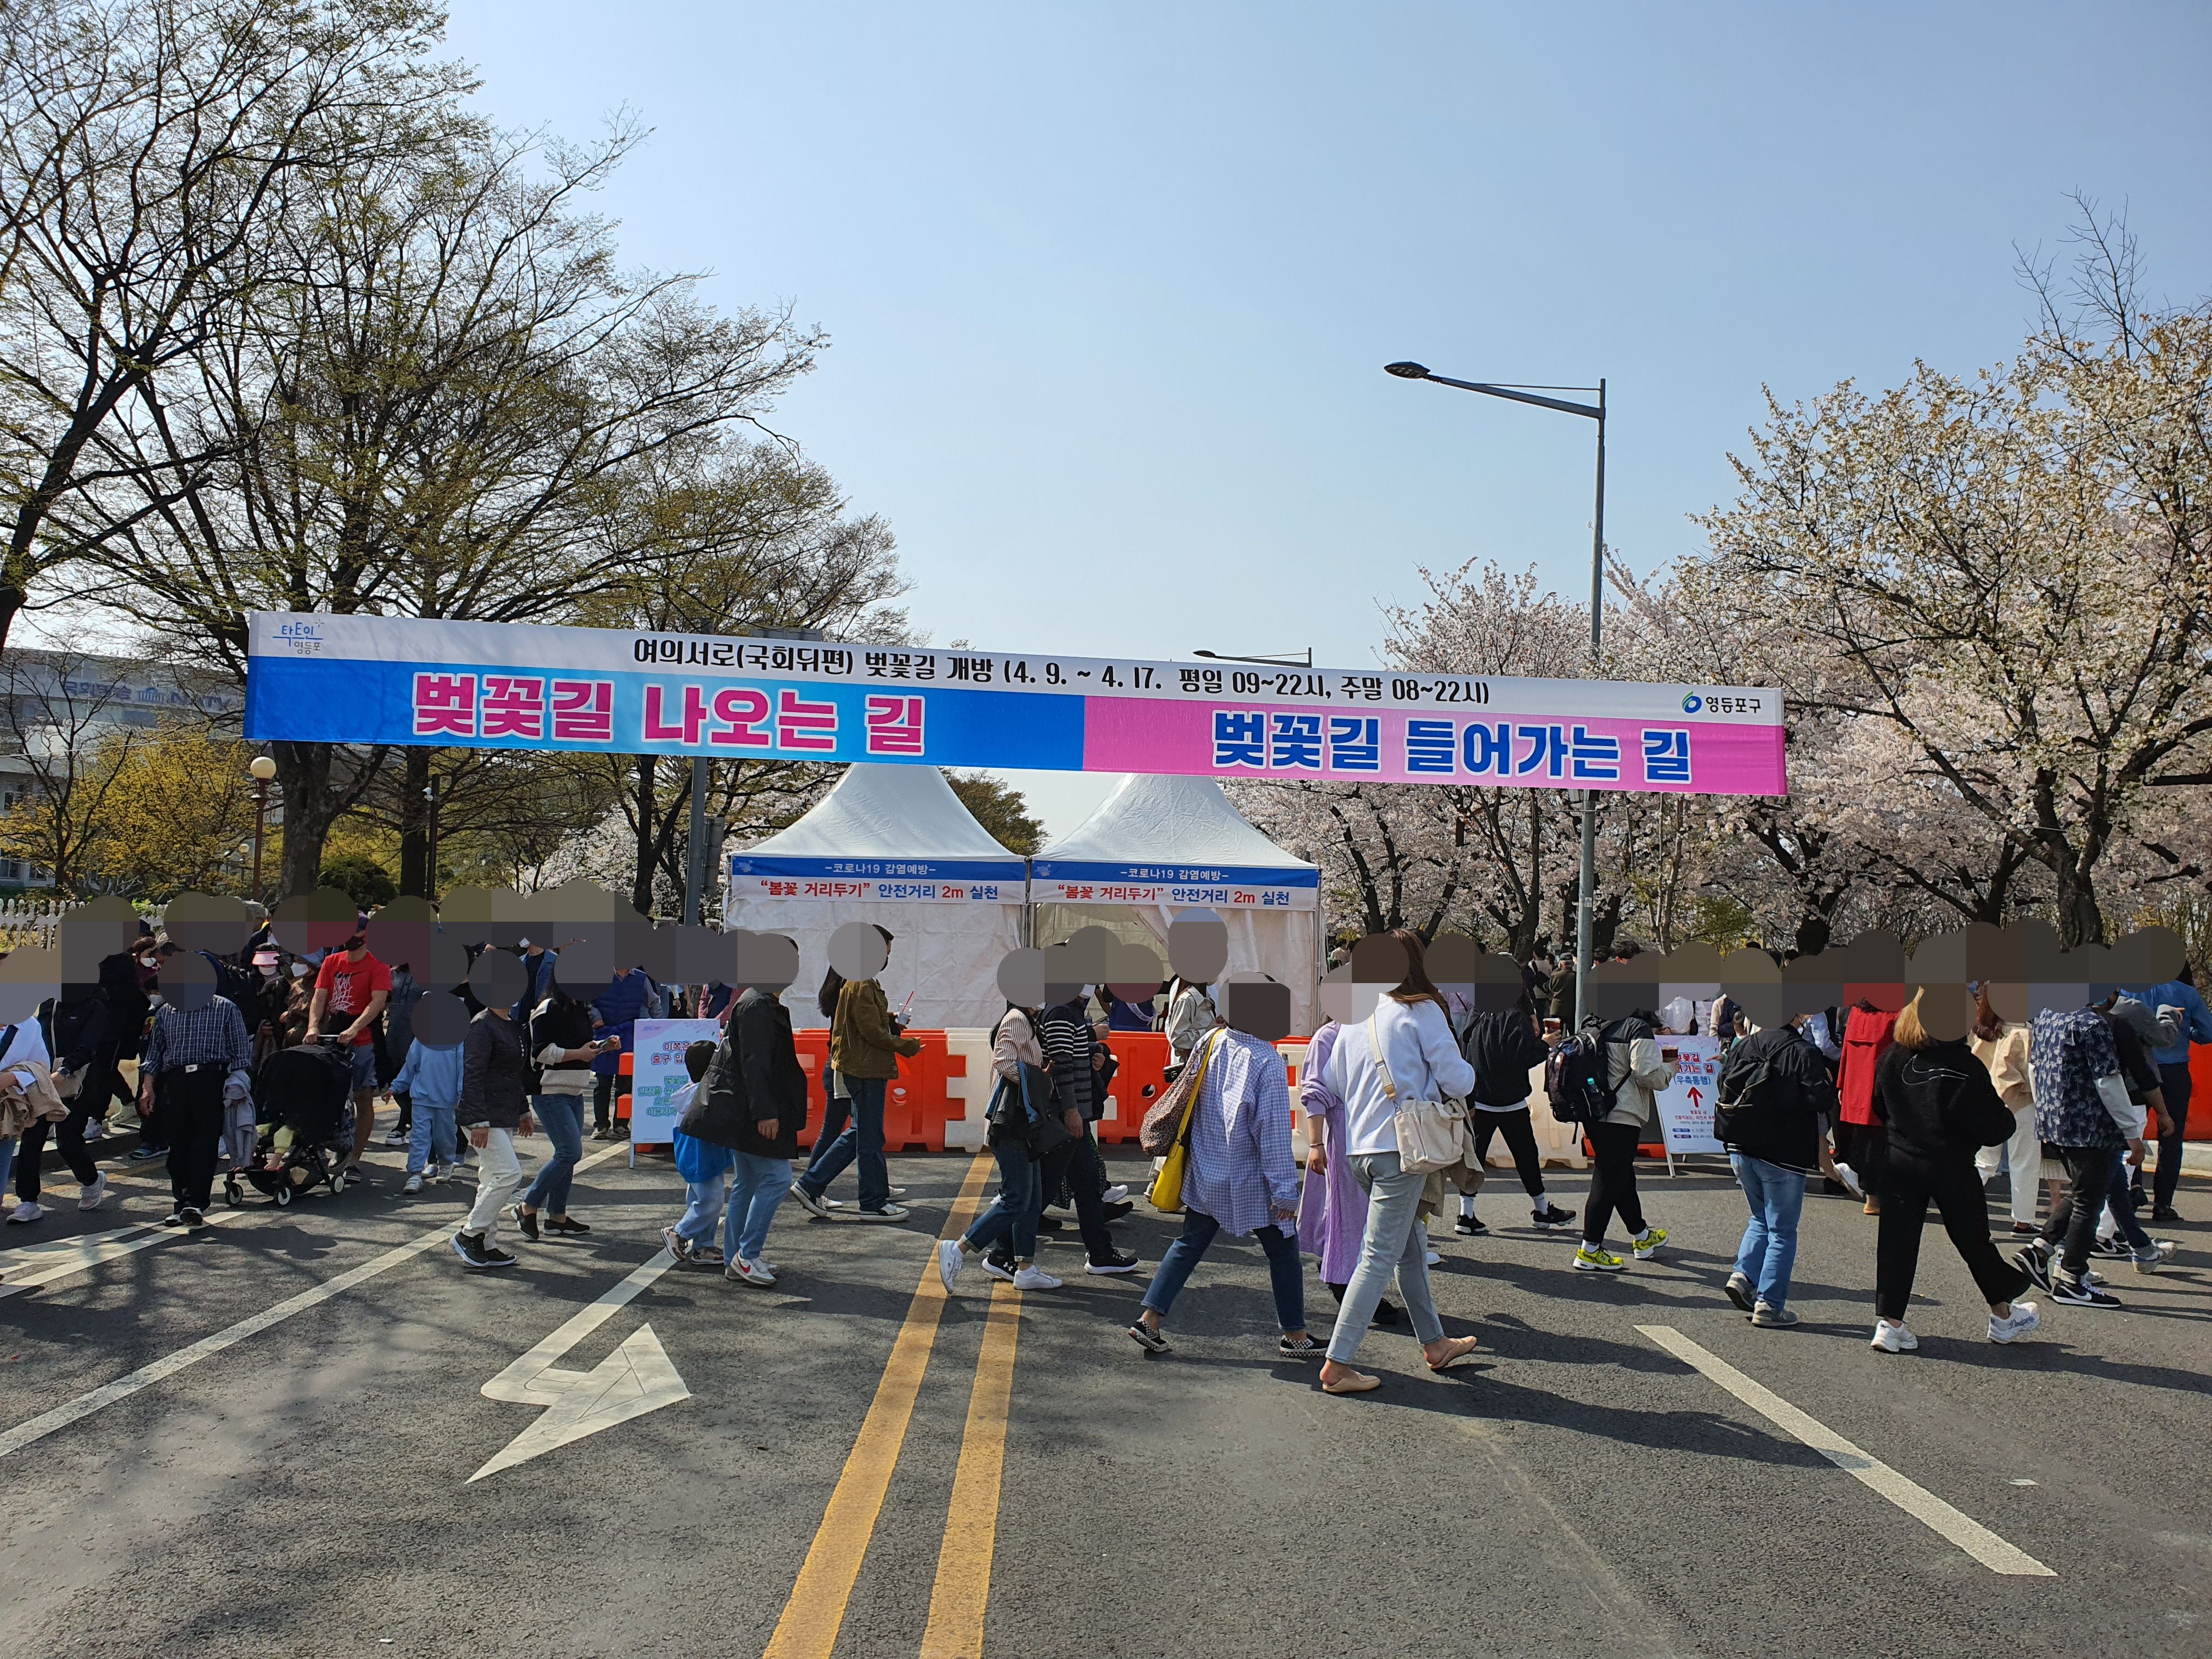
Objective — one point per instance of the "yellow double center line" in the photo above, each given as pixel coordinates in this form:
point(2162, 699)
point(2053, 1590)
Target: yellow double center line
point(816, 1612)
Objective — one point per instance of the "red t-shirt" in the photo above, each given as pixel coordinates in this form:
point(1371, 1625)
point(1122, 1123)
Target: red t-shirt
point(350, 985)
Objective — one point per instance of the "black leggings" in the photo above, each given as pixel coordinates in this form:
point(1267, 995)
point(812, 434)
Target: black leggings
point(69, 1141)
point(1519, 1138)
point(1612, 1184)
point(1908, 1184)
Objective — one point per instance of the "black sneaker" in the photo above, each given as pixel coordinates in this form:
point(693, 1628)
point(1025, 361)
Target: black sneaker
point(470, 1247)
point(2080, 1293)
point(1114, 1261)
point(1050, 1223)
point(495, 1257)
point(2165, 1213)
point(2035, 1262)
point(1303, 1347)
point(528, 1222)
point(2114, 1248)
point(1147, 1338)
point(192, 1218)
point(1470, 1227)
point(1551, 1216)
point(1115, 1211)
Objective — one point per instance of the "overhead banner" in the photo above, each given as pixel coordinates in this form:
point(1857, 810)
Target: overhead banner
point(319, 678)
point(1217, 887)
point(882, 881)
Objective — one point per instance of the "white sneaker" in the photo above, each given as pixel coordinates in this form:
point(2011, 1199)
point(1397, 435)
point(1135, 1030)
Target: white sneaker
point(1116, 1193)
point(2023, 1320)
point(1893, 1339)
point(1852, 1184)
point(27, 1211)
point(399, 1136)
point(88, 1197)
point(750, 1273)
point(1034, 1278)
point(1431, 1258)
point(950, 1259)
point(412, 1184)
point(807, 1201)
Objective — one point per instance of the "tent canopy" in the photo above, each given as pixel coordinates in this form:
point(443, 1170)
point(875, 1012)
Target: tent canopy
point(894, 846)
point(1158, 846)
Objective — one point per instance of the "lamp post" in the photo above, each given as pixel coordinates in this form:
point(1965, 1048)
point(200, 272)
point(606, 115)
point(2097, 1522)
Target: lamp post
point(263, 770)
point(1522, 394)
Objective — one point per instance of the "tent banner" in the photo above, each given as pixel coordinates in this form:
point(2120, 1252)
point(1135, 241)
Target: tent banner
point(1217, 887)
point(313, 678)
point(883, 881)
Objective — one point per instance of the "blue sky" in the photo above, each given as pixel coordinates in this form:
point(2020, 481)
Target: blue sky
point(1110, 288)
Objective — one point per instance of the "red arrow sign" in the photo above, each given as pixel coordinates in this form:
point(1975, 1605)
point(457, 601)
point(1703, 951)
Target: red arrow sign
point(1697, 1096)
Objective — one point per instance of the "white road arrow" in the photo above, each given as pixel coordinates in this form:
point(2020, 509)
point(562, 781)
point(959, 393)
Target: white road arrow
point(637, 1377)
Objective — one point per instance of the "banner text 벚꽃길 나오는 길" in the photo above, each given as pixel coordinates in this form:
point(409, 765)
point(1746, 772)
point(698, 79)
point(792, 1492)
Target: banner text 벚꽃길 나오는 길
point(318, 677)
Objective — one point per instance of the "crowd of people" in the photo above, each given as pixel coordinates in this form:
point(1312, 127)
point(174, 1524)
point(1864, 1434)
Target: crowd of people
point(1942, 1100)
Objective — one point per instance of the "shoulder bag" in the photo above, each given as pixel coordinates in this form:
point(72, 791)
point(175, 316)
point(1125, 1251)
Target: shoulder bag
point(1431, 1133)
point(1164, 1120)
point(1166, 1194)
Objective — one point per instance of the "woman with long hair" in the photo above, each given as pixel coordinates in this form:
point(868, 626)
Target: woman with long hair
point(1940, 1108)
point(1332, 1208)
point(563, 1049)
point(1025, 1094)
point(1404, 1051)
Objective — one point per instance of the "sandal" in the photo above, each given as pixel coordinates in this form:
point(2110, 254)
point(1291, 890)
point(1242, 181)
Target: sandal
point(1459, 1348)
point(565, 1224)
point(1356, 1382)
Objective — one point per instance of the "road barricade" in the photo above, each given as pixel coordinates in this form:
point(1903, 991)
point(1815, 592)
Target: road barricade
point(813, 1046)
point(1139, 1080)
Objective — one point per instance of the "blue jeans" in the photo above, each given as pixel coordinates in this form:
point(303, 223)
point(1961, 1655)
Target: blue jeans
point(757, 1186)
point(702, 1208)
point(1769, 1250)
point(562, 1117)
point(431, 1138)
point(836, 1114)
point(2121, 1201)
point(863, 1137)
point(1200, 1230)
point(1014, 1216)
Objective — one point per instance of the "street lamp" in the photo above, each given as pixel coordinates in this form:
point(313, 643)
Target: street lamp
point(262, 768)
point(1523, 394)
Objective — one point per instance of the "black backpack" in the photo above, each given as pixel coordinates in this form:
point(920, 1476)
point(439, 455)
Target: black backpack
point(1576, 1077)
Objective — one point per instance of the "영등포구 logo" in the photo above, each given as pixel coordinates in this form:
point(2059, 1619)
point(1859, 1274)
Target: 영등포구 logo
point(1691, 703)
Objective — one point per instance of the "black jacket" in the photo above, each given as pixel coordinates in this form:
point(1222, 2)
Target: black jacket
point(1939, 1102)
point(1503, 1048)
point(494, 1075)
point(1778, 1088)
point(74, 1031)
point(755, 1076)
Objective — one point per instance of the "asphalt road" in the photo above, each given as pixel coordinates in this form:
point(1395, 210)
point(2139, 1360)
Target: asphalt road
point(1045, 1488)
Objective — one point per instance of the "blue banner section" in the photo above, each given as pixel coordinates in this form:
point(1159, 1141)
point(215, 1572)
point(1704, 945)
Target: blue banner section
point(473, 705)
point(1238, 875)
point(746, 864)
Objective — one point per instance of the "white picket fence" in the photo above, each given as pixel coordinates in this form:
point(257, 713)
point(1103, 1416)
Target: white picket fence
point(26, 923)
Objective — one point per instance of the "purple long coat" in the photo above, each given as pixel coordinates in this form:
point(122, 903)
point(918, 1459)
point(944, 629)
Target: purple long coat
point(1332, 1210)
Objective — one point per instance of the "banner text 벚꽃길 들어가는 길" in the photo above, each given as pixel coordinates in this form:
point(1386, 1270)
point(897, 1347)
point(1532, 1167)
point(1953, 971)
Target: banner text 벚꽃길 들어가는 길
point(321, 678)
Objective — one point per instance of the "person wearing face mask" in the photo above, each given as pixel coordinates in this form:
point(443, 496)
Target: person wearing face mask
point(125, 979)
point(398, 1042)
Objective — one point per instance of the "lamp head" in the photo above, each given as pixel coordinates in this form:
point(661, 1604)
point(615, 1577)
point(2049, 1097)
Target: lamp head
point(262, 767)
point(1406, 371)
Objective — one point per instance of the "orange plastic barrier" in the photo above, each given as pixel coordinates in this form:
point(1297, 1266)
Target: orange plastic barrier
point(813, 1046)
point(915, 1104)
point(625, 1068)
point(1143, 1057)
point(2199, 1127)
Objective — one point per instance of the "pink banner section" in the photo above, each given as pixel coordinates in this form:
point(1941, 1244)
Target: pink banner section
point(1397, 745)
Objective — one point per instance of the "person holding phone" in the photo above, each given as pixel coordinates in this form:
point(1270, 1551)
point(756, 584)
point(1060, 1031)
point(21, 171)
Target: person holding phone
point(563, 1047)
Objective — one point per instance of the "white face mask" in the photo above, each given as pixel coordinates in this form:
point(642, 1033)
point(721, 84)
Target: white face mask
point(269, 971)
point(145, 962)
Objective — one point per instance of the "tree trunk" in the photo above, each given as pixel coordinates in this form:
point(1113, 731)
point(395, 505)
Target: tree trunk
point(641, 891)
point(303, 779)
point(415, 872)
point(1813, 934)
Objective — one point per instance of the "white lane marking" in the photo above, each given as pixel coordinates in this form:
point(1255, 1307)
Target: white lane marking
point(207, 1348)
point(48, 1262)
point(1917, 1501)
point(637, 1377)
point(46, 1423)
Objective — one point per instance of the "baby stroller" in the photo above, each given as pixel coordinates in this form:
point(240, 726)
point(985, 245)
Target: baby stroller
point(307, 1091)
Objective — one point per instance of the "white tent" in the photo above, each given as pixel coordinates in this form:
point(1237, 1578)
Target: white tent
point(1159, 846)
point(891, 845)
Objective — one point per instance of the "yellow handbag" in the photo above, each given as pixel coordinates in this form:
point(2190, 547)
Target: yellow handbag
point(1166, 1195)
